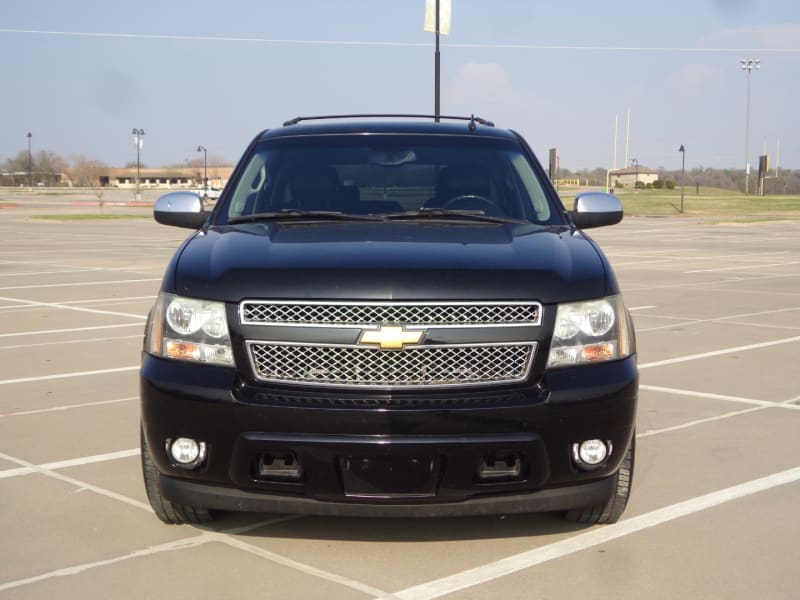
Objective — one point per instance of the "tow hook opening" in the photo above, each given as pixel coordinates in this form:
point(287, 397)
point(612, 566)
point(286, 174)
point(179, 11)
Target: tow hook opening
point(506, 466)
point(282, 466)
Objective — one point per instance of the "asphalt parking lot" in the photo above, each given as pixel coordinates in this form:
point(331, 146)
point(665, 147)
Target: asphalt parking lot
point(716, 488)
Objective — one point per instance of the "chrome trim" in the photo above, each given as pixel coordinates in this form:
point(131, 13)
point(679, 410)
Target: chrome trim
point(537, 306)
point(531, 348)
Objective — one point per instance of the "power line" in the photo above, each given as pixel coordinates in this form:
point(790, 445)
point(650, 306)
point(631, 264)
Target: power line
point(259, 40)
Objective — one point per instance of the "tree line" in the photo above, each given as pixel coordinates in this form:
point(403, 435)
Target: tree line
point(47, 167)
point(51, 169)
point(787, 181)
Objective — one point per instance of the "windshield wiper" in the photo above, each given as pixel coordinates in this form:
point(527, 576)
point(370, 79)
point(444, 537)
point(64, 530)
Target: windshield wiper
point(293, 213)
point(470, 215)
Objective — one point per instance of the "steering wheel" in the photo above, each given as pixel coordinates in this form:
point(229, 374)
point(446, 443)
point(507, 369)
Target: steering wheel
point(473, 202)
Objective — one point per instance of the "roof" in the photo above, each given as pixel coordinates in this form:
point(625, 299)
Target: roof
point(390, 124)
point(641, 170)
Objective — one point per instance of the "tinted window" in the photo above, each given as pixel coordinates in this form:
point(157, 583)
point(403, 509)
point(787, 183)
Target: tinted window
point(374, 174)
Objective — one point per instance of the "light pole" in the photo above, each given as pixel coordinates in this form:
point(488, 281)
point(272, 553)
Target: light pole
point(205, 170)
point(682, 150)
point(748, 64)
point(138, 135)
point(30, 162)
point(635, 164)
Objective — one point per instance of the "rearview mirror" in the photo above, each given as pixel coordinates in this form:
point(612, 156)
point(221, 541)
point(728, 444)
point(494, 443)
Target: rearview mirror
point(596, 209)
point(180, 209)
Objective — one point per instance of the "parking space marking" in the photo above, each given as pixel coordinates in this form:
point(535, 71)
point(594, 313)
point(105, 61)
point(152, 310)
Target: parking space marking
point(302, 567)
point(66, 464)
point(67, 375)
point(95, 311)
point(207, 537)
point(181, 544)
point(742, 268)
point(37, 411)
point(78, 284)
point(19, 307)
point(679, 392)
point(692, 357)
point(81, 485)
point(696, 422)
point(68, 330)
point(67, 269)
point(600, 535)
point(62, 342)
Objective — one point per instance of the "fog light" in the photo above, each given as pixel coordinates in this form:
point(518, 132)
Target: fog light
point(187, 452)
point(591, 453)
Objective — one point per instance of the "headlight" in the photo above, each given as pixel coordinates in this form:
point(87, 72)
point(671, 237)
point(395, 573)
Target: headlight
point(590, 332)
point(189, 329)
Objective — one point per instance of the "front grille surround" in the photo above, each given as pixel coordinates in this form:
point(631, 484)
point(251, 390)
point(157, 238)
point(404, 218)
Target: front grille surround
point(416, 367)
point(413, 314)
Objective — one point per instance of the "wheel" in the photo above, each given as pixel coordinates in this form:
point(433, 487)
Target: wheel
point(473, 202)
point(611, 510)
point(169, 512)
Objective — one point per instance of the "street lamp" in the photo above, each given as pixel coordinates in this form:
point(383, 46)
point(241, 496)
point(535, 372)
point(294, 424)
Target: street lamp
point(30, 162)
point(748, 64)
point(138, 135)
point(682, 150)
point(635, 163)
point(205, 170)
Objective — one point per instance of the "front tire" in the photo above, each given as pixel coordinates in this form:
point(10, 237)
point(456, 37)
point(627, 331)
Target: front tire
point(168, 512)
point(611, 510)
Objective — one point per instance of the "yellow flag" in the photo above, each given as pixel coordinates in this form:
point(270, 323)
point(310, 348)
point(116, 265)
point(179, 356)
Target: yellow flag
point(445, 14)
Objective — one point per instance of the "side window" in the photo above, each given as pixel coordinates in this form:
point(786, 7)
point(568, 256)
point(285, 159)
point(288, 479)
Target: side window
point(253, 181)
point(530, 182)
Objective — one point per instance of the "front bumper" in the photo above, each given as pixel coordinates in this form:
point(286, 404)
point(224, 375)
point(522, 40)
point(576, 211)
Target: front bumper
point(388, 454)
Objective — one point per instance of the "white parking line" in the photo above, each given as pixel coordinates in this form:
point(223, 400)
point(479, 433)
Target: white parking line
point(66, 464)
point(679, 392)
point(63, 342)
point(79, 284)
point(69, 330)
point(743, 268)
point(66, 375)
point(37, 411)
point(722, 352)
point(94, 311)
point(595, 537)
point(81, 485)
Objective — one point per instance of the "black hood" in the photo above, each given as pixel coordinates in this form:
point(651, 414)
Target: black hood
point(419, 260)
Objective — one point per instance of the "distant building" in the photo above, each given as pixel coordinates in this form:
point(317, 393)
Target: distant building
point(628, 176)
point(165, 178)
point(169, 177)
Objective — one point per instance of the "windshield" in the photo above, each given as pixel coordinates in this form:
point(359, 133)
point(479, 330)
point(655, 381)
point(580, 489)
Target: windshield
point(389, 174)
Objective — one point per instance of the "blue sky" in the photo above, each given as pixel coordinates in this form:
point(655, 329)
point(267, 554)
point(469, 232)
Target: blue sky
point(557, 72)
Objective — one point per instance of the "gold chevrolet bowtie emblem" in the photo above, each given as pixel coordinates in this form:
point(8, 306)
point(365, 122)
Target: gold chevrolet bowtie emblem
point(390, 337)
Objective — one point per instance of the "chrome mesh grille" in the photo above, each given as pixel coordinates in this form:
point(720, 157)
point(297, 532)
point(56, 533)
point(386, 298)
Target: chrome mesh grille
point(343, 314)
point(412, 367)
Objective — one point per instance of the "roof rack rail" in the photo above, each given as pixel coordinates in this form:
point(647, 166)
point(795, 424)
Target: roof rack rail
point(472, 118)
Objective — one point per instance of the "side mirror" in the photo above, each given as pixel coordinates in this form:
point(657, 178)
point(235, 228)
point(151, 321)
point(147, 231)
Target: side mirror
point(596, 209)
point(180, 209)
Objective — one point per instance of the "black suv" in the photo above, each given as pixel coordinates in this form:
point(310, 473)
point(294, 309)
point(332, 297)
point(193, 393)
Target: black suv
point(388, 317)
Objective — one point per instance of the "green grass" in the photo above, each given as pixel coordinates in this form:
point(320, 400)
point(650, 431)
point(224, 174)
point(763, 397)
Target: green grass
point(88, 217)
point(711, 202)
